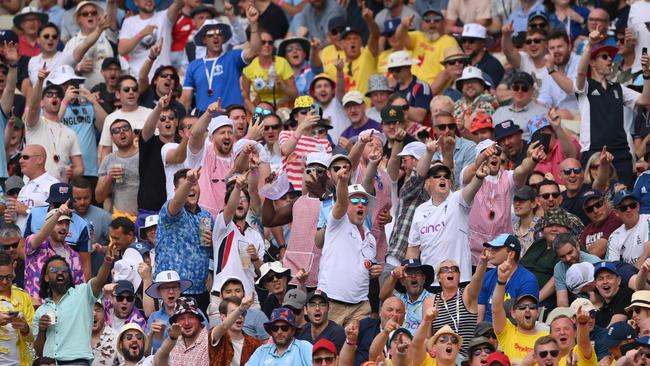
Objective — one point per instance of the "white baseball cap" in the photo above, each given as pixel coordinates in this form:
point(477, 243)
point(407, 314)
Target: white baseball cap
point(353, 96)
point(474, 30)
point(357, 189)
point(483, 145)
point(320, 157)
point(399, 59)
point(415, 149)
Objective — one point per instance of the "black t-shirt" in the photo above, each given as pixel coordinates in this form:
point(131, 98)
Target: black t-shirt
point(333, 332)
point(621, 300)
point(107, 99)
point(19, 281)
point(152, 192)
point(271, 303)
point(274, 21)
point(574, 205)
point(149, 99)
point(491, 66)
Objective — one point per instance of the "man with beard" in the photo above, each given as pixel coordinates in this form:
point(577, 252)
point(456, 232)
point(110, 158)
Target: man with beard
point(105, 91)
point(509, 136)
point(561, 68)
point(476, 97)
point(131, 346)
point(473, 40)
point(320, 326)
point(118, 177)
point(192, 347)
point(285, 350)
point(595, 236)
point(408, 283)
point(62, 326)
point(214, 154)
point(567, 248)
point(515, 340)
point(120, 309)
point(238, 249)
point(47, 242)
point(628, 242)
point(140, 32)
point(523, 106)
point(428, 44)
point(603, 103)
point(181, 224)
point(216, 76)
point(102, 338)
point(229, 335)
point(329, 95)
point(532, 59)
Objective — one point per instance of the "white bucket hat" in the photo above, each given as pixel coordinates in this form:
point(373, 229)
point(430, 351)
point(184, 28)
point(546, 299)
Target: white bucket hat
point(399, 59)
point(469, 73)
point(276, 267)
point(166, 277)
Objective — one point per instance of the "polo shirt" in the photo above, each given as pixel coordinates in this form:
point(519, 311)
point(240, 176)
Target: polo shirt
point(417, 93)
point(332, 332)
point(628, 244)
point(574, 204)
point(74, 322)
point(602, 121)
point(641, 189)
point(194, 354)
point(593, 232)
point(226, 71)
point(540, 260)
point(413, 309)
point(520, 116)
point(551, 95)
point(78, 236)
point(297, 354)
point(559, 272)
point(521, 282)
point(619, 302)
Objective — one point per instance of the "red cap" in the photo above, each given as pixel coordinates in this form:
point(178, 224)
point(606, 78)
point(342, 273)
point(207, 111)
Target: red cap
point(497, 357)
point(596, 49)
point(324, 344)
point(481, 121)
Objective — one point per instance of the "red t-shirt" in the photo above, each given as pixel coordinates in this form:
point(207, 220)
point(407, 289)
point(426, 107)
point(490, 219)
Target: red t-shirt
point(181, 32)
point(27, 49)
point(593, 231)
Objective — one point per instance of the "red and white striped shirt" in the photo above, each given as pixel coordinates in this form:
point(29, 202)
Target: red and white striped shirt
point(294, 163)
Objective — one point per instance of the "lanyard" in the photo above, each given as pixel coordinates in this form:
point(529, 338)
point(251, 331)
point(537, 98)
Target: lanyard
point(457, 320)
point(210, 75)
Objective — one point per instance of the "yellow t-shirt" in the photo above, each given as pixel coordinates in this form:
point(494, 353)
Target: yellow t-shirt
point(21, 302)
point(515, 344)
point(259, 78)
point(429, 54)
point(582, 361)
point(328, 56)
point(357, 73)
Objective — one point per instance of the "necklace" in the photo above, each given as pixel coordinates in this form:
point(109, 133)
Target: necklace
point(444, 302)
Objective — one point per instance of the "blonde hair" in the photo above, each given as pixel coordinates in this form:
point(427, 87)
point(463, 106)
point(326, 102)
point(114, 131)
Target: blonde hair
point(446, 104)
point(592, 159)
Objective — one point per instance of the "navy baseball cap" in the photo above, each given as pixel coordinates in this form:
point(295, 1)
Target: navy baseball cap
point(621, 195)
point(349, 30)
point(505, 129)
point(336, 23)
point(592, 193)
point(59, 193)
point(605, 266)
point(616, 333)
point(123, 286)
point(504, 240)
point(538, 13)
point(8, 36)
point(643, 341)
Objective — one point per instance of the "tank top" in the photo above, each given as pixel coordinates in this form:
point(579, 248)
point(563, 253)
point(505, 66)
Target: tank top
point(453, 312)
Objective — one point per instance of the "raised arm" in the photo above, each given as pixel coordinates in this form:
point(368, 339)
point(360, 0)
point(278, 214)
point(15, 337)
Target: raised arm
point(395, 161)
point(371, 171)
point(48, 226)
point(523, 171)
point(161, 358)
point(341, 205)
point(373, 30)
point(174, 11)
point(402, 33)
point(231, 206)
point(422, 168)
point(512, 55)
point(197, 134)
point(150, 124)
point(388, 287)
point(143, 75)
point(583, 66)
point(470, 171)
point(33, 109)
point(470, 295)
point(429, 314)
point(221, 329)
point(644, 98)
point(255, 43)
point(584, 343)
point(97, 283)
point(340, 79)
point(183, 190)
point(346, 357)
point(306, 125)
point(376, 349)
point(80, 51)
point(499, 319)
point(601, 181)
point(126, 45)
point(474, 185)
point(569, 150)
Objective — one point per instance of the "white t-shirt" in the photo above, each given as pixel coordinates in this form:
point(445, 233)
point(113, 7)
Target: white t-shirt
point(636, 21)
point(343, 274)
point(225, 243)
point(147, 361)
point(170, 169)
point(340, 121)
point(36, 62)
point(10, 355)
point(34, 194)
point(627, 245)
point(442, 231)
point(527, 64)
point(97, 52)
point(237, 345)
point(133, 25)
point(137, 118)
point(57, 140)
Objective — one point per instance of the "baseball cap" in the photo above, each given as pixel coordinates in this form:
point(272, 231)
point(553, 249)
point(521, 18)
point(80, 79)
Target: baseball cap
point(325, 344)
point(526, 296)
point(14, 182)
point(621, 195)
point(318, 293)
point(338, 157)
point(7, 35)
point(348, 30)
point(605, 266)
point(123, 286)
point(295, 298)
point(336, 23)
point(392, 113)
point(526, 193)
point(321, 158)
point(357, 189)
point(61, 218)
point(581, 302)
point(353, 96)
point(504, 240)
point(497, 357)
point(480, 121)
point(578, 275)
point(616, 333)
point(589, 195)
point(415, 149)
point(108, 61)
point(538, 13)
point(505, 129)
point(522, 77)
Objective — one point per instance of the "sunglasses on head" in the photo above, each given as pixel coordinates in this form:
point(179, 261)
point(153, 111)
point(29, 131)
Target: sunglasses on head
point(629, 206)
point(526, 306)
point(450, 126)
point(520, 88)
point(10, 246)
point(128, 298)
point(549, 195)
point(592, 208)
point(449, 269)
point(356, 200)
point(477, 352)
point(138, 336)
point(272, 127)
point(535, 40)
point(448, 337)
point(568, 171)
point(553, 353)
point(274, 328)
point(116, 130)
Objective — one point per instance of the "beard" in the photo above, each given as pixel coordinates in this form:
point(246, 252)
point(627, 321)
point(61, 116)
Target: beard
point(131, 358)
point(59, 288)
point(432, 36)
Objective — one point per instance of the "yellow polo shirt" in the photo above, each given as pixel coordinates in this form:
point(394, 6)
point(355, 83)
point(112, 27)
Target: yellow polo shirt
point(429, 54)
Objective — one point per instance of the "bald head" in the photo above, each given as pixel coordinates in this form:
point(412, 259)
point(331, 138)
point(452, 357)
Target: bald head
point(392, 308)
point(572, 175)
point(32, 161)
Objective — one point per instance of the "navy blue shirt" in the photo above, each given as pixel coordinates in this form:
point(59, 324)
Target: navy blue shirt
point(368, 330)
point(493, 68)
point(333, 332)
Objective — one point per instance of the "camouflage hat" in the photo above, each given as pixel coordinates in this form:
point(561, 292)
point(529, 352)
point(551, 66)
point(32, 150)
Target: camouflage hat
point(556, 216)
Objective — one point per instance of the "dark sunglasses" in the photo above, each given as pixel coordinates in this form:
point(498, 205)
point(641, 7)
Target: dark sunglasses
point(304, 112)
point(50, 36)
point(269, 43)
point(127, 89)
point(13, 192)
point(116, 130)
point(274, 328)
point(27, 157)
point(57, 269)
point(336, 31)
point(477, 352)
point(273, 276)
point(324, 360)
point(630, 206)
point(319, 171)
point(469, 40)
point(575, 171)
point(535, 40)
point(137, 336)
point(537, 25)
point(456, 62)
point(553, 353)
point(450, 126)
point(272, 127)
point(363, 201)
point(10, 246)
point(605, 56)
point(592, 208)
point(526, 306)
point(394, 70)
point(166, 75)
point(447, 337)
point(405, 107)
point(88, 13)
point(336, 168)
point(390, 123)
point(52, 94)
point(620, 39)
point(449, 269)
point(7, 278)
point(128, 298)
point(520, 88)
point(549, 195)
point(645, 354)
point(165, 118)
point(438, 176)
point(637, 309)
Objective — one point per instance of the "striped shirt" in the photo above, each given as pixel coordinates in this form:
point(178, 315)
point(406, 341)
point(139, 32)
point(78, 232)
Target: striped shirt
point(454, 313)
point(294, 163)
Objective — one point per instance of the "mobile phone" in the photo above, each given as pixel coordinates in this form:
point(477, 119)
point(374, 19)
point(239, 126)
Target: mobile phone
point(543, 138)
point(644, 51)
point(499, 150)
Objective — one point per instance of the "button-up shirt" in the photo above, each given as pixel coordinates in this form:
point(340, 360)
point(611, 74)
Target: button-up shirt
point(298, 354)
point(413, 309)
point(105, 350)
point(194, 354)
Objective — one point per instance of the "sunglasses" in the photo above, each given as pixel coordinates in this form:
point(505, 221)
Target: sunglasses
point(304, 112)
point(274, 328)
point(88, 13)
point(324, 360)
point(620, 39)
point(526, 306)
point(128, 298)
point(262, 111)
point(52, 94)
point(549, 195)
point(520, 88)
point(592, 208)
point(127, 89)
point(389, 123)
point(10, 246)
point(315, 305)
point(168, 75)
point(57, 269)
point(354, 201)
point(455, 62)
point(272, 277)
point(336, 168)
point(165, 118)
point(535, 40)
point(7, 278)
point(637, 309)
point(477, 352)
point(605, 56)
point(446, 338)
point(630, 206)
point(137, 336)
point(645, 354)
point(293, 48)
point(553, 353)
point(116, 130)
point(394, 70)
point(469, 40)
point(433, 19)
point(27, 157)
point(50, 36)
point(537, 25)
point(336, 31)
point(319, 171)
point(438, 176)
point(268, 43)
point(449, 269)
point(405, 107)
point(575, 171)
point(450, 126)
point(272, 127)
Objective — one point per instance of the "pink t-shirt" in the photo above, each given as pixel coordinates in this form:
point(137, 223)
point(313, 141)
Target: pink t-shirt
point(301, 249)
point(555, 157)
point(213, 181)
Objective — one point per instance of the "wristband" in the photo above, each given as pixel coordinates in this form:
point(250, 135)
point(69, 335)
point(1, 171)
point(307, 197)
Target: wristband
point(646, 77)
point(501, 283)
point(350, 343)
point(550, 71)
point(477, 177)
point(535, 160)
point(109, 262)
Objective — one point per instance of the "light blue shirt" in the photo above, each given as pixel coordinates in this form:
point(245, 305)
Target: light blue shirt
point(464, 155)
point(298, 354)
point(74, 323)
point(413, 309)
point(519, 17)
point(81, 119)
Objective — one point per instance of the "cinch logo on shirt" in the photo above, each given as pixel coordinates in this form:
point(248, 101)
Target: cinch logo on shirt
point(434, 228)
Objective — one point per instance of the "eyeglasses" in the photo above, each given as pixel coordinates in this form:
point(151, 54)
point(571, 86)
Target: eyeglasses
point(167, 75)
point(116, 130)
point(128, 298)
point(50, 36)
point(432, 19)
point(274, 328)
point(520, 88)
point(539, 25)
point(57, 269)
point(293, 48)
point(549, 195)
point(88, 13)
point(620, 39)
point(268, 43)
point(272, 127)
point(553, 353)
point(449, 269)
point(319, 171)
point(438, 176)
point(575, 171)
point(324, 360)
point(477, 352)
point(535, 40)
point(336, 168)
point(592, 208)
point(394, 70)
point(138, 336)
point(127, 89)
point(526, 306)
point(314, 305)
point(27, 157)
point(52, 94)
point(363, 201)
point(605, 56)
point(10, 246)
point(447, 337)
point(637, 309)
point(455, 62)
point(450, 126)
point(170, 117)
point(630, 206)
point(7, 278)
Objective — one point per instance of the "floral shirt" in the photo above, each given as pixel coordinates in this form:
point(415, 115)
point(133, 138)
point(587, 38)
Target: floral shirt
point(464, 109)
point(35, 260)
point(104, 351)
point(135, 316)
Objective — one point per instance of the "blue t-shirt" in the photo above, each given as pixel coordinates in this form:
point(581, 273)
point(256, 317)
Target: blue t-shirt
point(226, 71)
point(417, 93)
point(352, 133)
point(642, 191)
point(78, 235)
point(81, 119)
point(522, 282)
